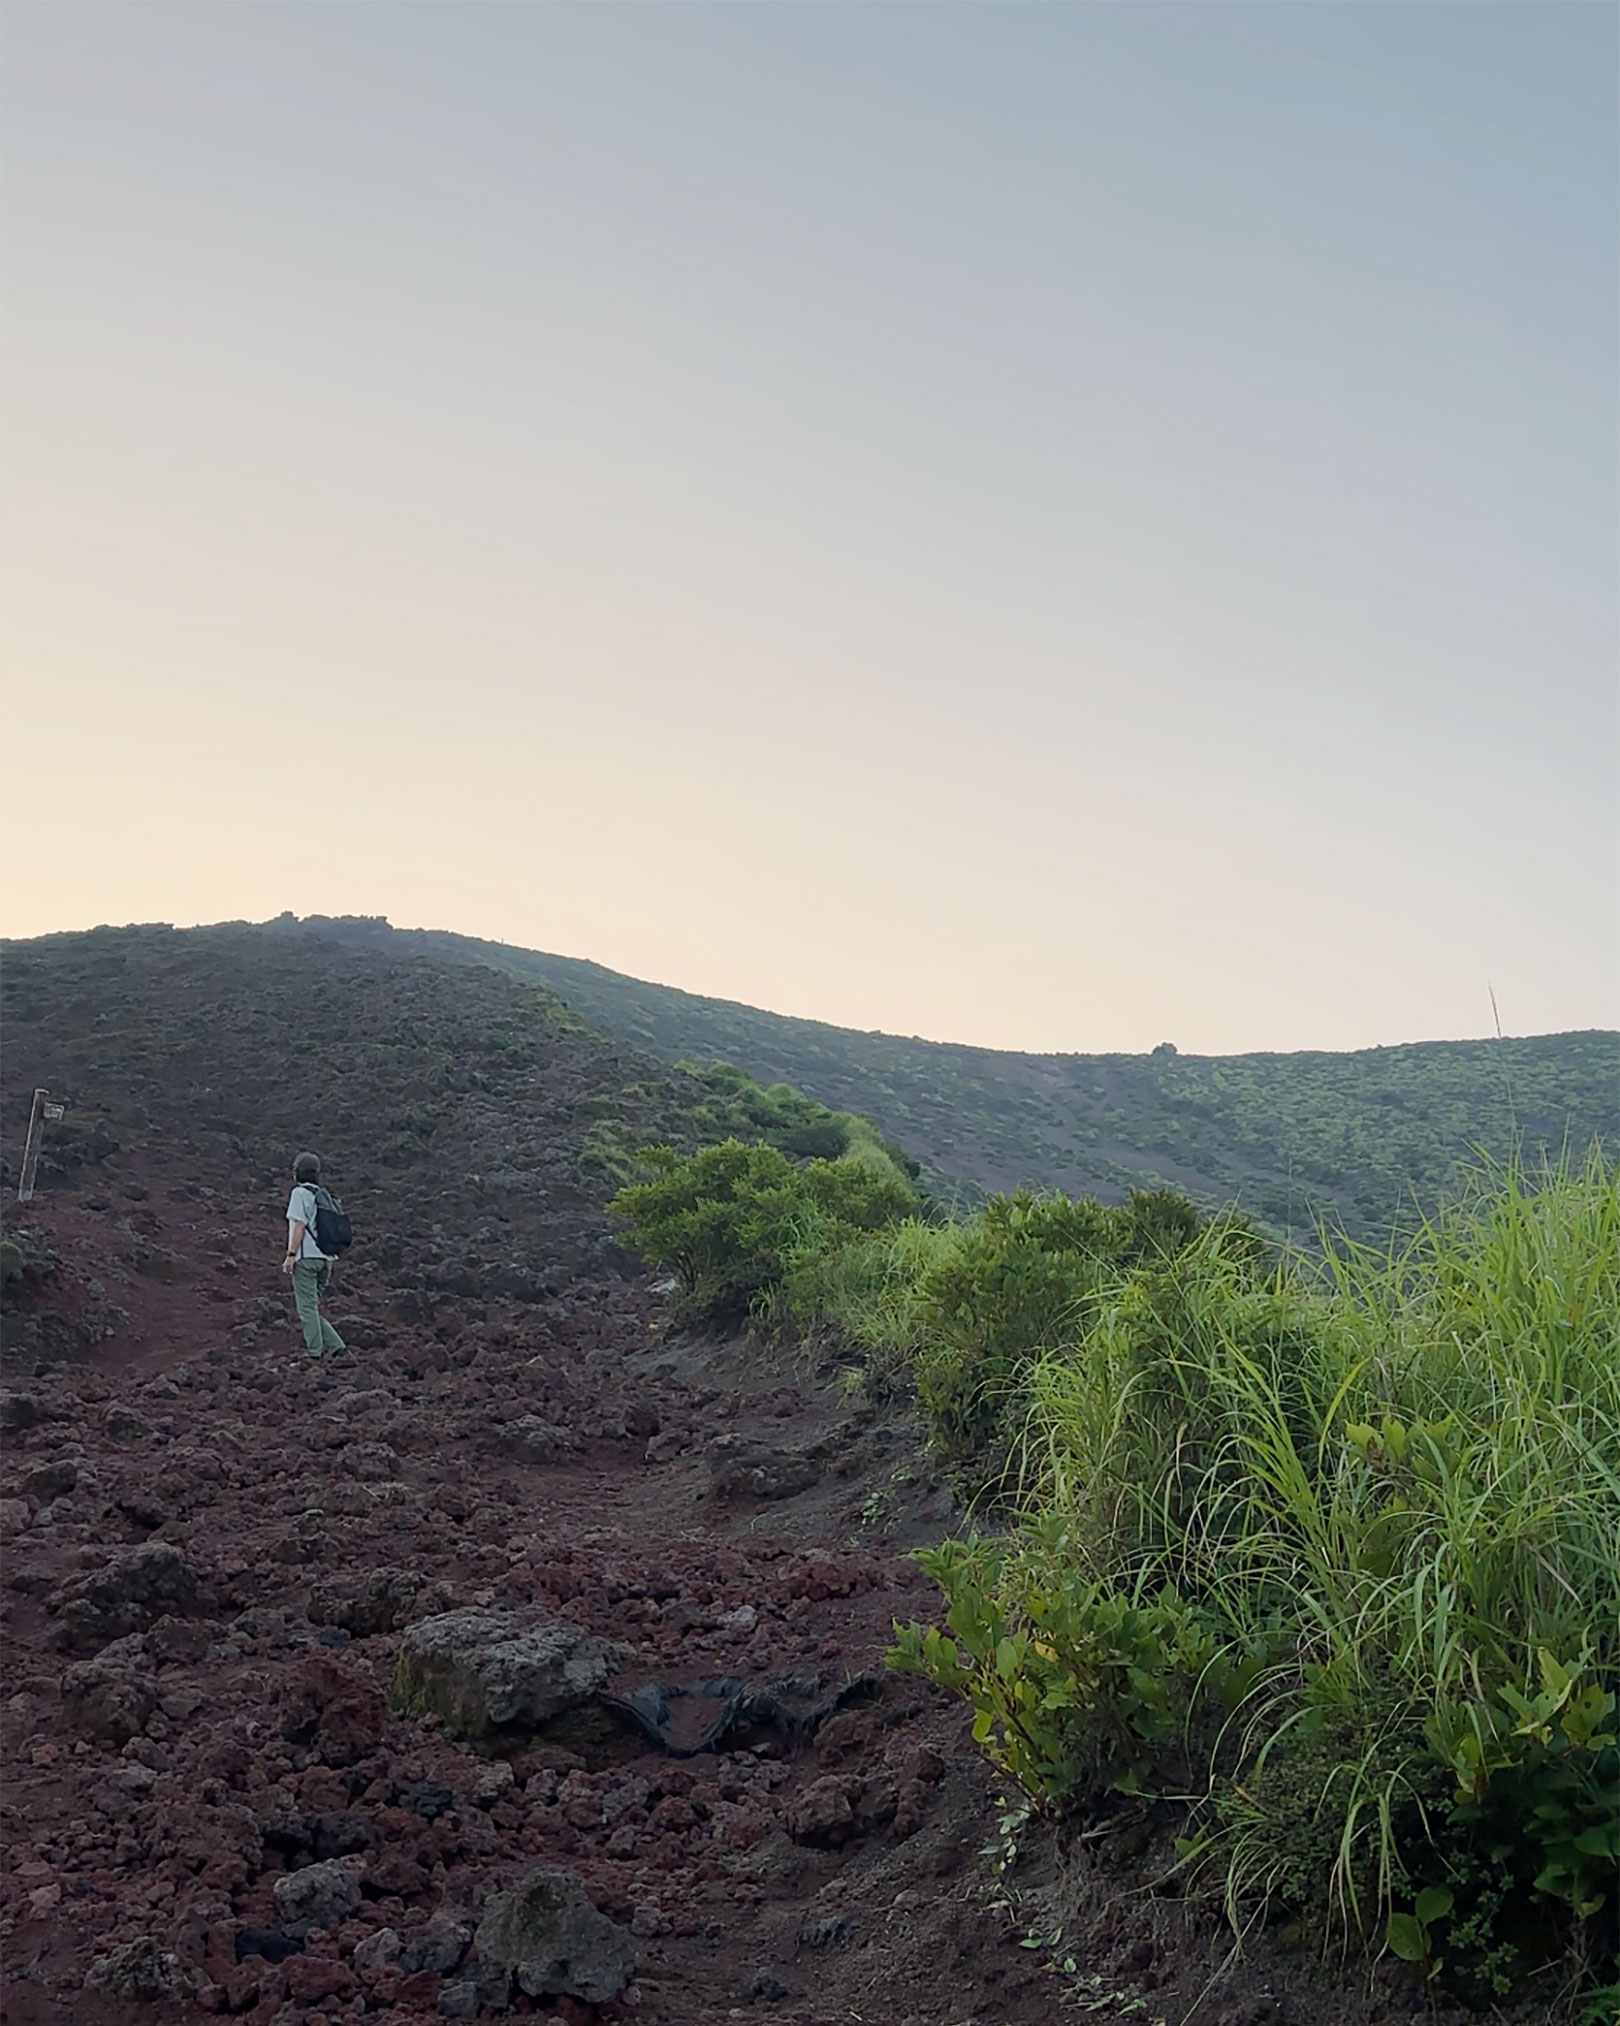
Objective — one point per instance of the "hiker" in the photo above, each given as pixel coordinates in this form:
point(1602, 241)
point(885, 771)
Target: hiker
point(309, 1266)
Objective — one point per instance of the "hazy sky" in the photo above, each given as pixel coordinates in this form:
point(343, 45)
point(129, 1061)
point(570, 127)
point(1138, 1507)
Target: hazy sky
point(1060, 526)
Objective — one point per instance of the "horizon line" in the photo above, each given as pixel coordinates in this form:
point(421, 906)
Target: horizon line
point(807, 1020)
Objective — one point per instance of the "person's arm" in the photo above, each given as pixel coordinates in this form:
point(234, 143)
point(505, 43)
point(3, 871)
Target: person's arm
point(296, 1227)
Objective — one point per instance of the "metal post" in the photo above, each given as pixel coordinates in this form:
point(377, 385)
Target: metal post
point(36, 1132)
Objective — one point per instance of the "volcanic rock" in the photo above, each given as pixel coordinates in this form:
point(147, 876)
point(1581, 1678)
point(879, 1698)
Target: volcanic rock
point(331, 1706)
point(738, 1467)
point(428, 1799)
point(108, 1699)
point(319, 1896)
point(124, 1596)
point(379, 1951)
point(270, 1943)
point(480, 1670)
point(548, 1938)
point(19, 1411)
point(121, 1426)
point(494, 1784)
point(50, 1480)
point(312, 1978)
point(641, 1416)
point(532, 1440)
point(439, 1946)
point(143, 1973)
point(824, 1814)
point(379, 1602)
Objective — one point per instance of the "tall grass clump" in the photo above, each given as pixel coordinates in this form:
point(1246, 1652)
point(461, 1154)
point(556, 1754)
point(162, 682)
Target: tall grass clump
point(1334, 1549)
point(1004, 1286)
point(866, 1289)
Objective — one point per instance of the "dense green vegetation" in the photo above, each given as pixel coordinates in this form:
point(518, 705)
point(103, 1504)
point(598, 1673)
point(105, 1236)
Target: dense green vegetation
point(727, 1219)
point(725, 1103)
point(1356, 1139)
point(1327, 1550)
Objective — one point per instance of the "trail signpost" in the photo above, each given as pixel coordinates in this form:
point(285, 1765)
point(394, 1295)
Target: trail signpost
point(43, 1113)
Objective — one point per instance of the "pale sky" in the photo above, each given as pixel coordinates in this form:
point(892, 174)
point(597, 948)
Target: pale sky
point(1058, 526)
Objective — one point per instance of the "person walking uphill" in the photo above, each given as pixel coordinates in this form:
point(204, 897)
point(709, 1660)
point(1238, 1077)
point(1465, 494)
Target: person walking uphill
point(313, 1215)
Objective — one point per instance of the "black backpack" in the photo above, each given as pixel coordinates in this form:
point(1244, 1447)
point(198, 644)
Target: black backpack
point(332, 1231)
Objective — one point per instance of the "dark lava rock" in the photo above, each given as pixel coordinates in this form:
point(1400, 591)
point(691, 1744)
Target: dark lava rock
point(319, 1896)
point(270, 1943)
point(362, 1334)
point(124, 1596)
point(552, 1942)
point(365, 1607)
point(641, 1417)
point(832, 1933)
point(19, 1411)
point(429, 1801)
point(330, 1706)
point(50, 1480)
point(108, 1699)
point(343, 1833)
point(738, 1467)
point(531, 1440)
point(121, 1426)
point(480, 1670)
point(823, 1815)
point(439, 1946)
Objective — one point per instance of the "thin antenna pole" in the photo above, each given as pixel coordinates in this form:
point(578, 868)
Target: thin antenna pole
point(30, 1160)
point(1507, 1079)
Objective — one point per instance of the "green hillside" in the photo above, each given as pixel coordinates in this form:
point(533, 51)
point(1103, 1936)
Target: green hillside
point(1292, 1137)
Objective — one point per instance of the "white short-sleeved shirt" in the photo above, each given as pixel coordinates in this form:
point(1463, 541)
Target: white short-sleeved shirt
point(301, 1210)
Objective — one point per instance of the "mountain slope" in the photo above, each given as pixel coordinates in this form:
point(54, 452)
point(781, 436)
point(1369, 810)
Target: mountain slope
point(456, 1104)
point(1352, 1137)
point(215, 1547)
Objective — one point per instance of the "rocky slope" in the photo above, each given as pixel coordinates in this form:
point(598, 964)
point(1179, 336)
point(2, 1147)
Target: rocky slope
point(214, 1550)
point(368, 1688)
point(456, 1104)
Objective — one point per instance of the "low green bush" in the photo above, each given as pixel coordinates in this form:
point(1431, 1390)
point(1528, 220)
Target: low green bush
point(727, 1219)
point(736, 1106)
point(1076, 1689)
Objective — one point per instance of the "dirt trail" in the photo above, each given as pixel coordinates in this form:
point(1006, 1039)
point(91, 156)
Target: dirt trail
point(192, 1516)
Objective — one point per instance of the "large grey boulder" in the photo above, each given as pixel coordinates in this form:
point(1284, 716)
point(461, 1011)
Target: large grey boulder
point(320, 1895)
point(548, 1938)
point(479, 1671)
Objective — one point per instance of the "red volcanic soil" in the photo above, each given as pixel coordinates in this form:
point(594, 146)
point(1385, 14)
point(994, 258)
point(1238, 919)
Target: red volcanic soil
point(196, 1672)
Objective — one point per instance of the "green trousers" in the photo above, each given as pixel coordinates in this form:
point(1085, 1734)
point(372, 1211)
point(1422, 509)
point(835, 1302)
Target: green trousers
point(309, 1279)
